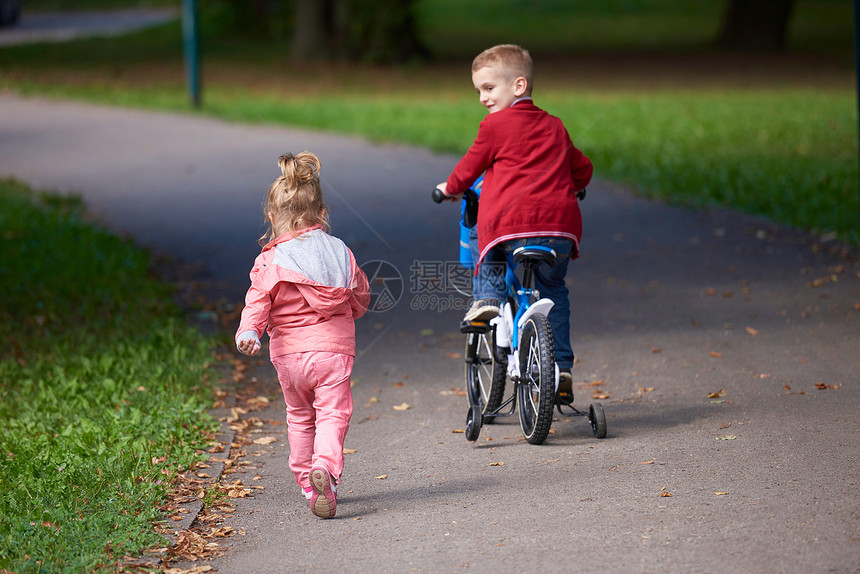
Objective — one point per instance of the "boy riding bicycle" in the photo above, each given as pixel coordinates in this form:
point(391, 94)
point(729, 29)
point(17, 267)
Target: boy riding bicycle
point(529, 195)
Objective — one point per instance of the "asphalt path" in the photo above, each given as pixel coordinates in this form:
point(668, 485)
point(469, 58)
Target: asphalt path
point(669, 306)
point(65, 26)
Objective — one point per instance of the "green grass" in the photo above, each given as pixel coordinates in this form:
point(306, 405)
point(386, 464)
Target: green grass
point(102, 390)
point(776, 137)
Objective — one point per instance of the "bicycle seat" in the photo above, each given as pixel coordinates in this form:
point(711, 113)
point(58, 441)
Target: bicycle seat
point(535, 253)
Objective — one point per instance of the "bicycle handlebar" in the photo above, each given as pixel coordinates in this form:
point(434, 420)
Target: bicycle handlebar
point(438, 196)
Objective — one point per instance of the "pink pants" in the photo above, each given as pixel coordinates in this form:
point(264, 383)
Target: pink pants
point(319, 406)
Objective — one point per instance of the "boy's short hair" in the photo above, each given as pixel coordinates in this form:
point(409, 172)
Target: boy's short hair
point(510, 59)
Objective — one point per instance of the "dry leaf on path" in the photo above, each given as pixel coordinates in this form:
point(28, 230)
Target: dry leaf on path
point(401, 407)
point(823, 386)
point(350, 451)
point(265, 440)
point(727, 437)
point(382, 477)
point(497, 464)
point(717, 394)
point(716, 355)
point(721, 493)
point(752, 331)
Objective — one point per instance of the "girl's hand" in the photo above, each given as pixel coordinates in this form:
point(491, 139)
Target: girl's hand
point(248, 346)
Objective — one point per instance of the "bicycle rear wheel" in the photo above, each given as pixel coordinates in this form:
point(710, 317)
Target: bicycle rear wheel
point(485, 372)
point(536, 389)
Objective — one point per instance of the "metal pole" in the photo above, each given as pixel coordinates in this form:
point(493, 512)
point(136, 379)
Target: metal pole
point(190, 51)
point(857, 68)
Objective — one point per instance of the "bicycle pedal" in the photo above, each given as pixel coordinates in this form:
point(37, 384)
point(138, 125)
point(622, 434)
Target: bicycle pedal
point(564, 399)
point(474, 326)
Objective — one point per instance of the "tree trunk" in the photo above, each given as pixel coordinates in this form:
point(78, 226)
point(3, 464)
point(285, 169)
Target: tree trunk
point(756, 25)
point(376, 31)
point(311, 31)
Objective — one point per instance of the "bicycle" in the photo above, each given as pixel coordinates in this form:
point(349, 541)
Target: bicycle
point(516, 345)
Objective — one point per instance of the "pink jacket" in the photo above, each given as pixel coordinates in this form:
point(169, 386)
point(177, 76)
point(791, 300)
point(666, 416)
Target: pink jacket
point(308, 288)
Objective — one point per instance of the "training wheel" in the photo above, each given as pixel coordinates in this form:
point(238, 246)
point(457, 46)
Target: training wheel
point(473, 423)
point(597, 420)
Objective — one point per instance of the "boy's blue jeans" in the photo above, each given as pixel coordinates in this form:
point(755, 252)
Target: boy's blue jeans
point(489, 283)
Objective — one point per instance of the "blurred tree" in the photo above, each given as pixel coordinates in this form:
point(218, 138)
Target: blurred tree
point(757, 25)
point(378, 31)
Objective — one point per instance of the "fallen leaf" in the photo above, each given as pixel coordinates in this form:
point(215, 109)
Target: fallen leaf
point(265, 440)
point(716, 355)
point(401, 407)
point(454, 355)
point(727, 437)
point(721, 493)
point(641, 392)
point(656, 350)
point(497, 464)
point(665, 494)
point(350, 451)
point(711, 292)
point(717, 394)
point(596, 383)
point(598, 394)
point(458, 431)
point(398, 384)
point(646, 462)
point(382, 477)
point(367, 418)
point(822, 386)
point(752, 331)
point(763, 376)
point(373, 400)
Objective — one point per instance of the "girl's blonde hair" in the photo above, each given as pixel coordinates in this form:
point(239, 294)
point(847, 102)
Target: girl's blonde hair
point(295, 199)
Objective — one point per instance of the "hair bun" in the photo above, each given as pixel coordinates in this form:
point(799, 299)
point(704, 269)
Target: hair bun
point(300, 169)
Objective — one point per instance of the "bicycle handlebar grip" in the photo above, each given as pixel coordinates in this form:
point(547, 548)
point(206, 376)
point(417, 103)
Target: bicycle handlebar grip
point(581, 194)
point(438, 196)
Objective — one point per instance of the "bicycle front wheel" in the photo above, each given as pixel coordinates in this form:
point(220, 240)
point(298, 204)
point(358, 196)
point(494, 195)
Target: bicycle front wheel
point(485, 372)
point(536, 389)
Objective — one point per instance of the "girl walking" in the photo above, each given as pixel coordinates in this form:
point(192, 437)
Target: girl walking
point(308, 289)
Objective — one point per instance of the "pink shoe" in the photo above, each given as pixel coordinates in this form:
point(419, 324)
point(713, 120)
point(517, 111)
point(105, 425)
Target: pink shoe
point(324, 497)
point(307, 491)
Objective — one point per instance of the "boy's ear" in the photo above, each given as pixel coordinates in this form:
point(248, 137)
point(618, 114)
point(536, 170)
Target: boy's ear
point(521, 86)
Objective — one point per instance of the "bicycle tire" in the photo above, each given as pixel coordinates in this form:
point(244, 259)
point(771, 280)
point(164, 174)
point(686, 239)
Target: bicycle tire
point(536, 388)
point(485, 373)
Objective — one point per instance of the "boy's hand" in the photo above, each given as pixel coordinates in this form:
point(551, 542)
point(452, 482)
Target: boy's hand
point(443, 187)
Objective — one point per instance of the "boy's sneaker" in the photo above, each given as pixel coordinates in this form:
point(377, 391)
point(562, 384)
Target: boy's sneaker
point(324, 495)
point(482, 310)
point(564, 396)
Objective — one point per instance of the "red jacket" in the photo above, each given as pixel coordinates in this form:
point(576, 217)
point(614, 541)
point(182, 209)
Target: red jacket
point(533, 172)
point(308, 288)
